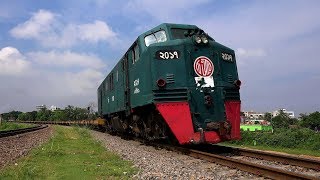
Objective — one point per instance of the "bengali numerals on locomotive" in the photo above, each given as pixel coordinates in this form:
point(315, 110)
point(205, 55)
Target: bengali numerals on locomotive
point(227, 57)
point(167, 54)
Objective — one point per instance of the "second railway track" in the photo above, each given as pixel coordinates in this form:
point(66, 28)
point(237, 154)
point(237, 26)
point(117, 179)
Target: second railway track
point(20, 131)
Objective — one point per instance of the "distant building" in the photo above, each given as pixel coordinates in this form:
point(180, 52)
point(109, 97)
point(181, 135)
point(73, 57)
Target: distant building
point(41, 107)
point(53, 108)
point(253, 115)
point(277, 112)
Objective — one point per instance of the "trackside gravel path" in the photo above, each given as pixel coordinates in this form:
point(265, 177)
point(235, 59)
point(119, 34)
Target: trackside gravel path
point(163, 164)
point(13, 147)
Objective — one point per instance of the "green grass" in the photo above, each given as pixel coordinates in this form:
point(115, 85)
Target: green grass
point(5, 126)
point(293, 141)
point(70, 154)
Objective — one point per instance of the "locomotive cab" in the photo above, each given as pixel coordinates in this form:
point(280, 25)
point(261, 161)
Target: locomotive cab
point(195, 84)
point(174, 79)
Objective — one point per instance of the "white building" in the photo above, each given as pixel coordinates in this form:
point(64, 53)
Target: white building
point(41, 107)
point(277, 112)
point(253, 115)
point(53, 108)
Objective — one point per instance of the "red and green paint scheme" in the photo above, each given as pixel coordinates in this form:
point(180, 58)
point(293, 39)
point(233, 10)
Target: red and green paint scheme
point(174, 82)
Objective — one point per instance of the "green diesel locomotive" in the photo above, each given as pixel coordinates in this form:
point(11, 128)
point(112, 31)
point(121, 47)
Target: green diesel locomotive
point(175, 81)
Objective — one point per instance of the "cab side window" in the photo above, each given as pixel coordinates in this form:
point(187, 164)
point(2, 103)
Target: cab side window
point(110, 82)
point(135, 53)
point(106, 85)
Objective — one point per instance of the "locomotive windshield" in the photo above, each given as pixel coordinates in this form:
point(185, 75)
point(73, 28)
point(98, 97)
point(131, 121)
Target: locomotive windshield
point(179, 33)
point(156, 37)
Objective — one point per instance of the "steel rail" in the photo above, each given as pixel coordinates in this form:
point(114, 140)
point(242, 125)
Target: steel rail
point(261, 170)
point(20, 131)
point(257, 169)
point(282, 158)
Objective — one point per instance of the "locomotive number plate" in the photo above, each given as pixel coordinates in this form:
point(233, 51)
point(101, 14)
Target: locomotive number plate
point(167, 54)
point(227, 57)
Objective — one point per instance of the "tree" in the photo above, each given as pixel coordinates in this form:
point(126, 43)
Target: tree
point(311, 121)
point(91, 110)
point(280, 121)
point(43, 115)
point(58, 115)
point(267, 116)
point(22, 117)
point(12, 115)
point(69, 112)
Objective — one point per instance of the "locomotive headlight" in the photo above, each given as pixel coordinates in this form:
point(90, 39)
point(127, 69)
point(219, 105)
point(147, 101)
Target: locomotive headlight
point(197, 39)
point(204, 39)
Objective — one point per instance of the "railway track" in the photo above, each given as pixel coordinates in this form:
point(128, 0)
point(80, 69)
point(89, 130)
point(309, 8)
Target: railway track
point(20, 131)
point(254, 168)
point(278, 157)
point(224, 155)
point(217, 154)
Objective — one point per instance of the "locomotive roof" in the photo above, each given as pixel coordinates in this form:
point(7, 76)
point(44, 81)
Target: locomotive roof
point(164, 26)
point(167, 26)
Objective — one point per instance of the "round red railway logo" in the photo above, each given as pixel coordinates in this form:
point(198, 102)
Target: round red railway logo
point(203, 66)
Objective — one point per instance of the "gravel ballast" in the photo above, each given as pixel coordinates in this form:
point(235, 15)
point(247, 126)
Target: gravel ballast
point(13, 147)
point(163, 164)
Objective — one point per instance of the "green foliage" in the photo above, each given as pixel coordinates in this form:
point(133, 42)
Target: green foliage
point(69, 113)
point(302, 138)
point(282, 121)
point(70, 154)
point(267, 116)
point(13, 115)
point(311, 121)
point(43, 115)
point(5, 126)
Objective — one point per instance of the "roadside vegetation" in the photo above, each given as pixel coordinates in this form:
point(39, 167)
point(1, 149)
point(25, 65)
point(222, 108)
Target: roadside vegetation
point(70, 154)
point(44, 114)
point(6, 126)
point(289, 135)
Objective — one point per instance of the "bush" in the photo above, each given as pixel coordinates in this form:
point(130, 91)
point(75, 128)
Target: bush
point(302, 138)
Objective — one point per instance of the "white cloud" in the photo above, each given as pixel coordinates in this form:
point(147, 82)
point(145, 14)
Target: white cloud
point(44, 79)
point(66, 59)
point(38, 26)
point(96, 31)
point(84, 82)
point(51, 88)
point(252, 24)
point(245, 53)
point(12, 62)
point(46, 28)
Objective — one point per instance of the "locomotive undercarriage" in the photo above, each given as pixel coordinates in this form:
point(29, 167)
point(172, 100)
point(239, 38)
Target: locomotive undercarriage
point(147, 124)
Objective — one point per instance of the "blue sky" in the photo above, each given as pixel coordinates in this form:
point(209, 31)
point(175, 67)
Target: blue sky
point(57, 52)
